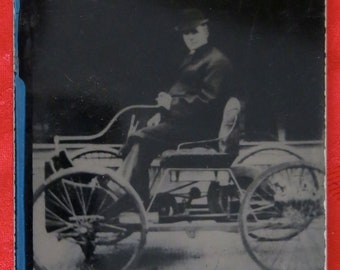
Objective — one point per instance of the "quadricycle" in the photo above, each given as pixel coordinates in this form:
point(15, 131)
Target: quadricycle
point(268, 193)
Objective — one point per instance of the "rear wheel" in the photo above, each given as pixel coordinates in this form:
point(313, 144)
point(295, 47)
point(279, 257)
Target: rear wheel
point(87, 219)
point(267, 155)
point(282, 218)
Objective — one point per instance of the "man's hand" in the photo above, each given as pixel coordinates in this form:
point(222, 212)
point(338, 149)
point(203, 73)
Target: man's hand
point(164, 100)
point(133, 125)
point(154, 120)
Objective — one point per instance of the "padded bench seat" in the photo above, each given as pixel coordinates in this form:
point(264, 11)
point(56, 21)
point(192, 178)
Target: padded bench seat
point(196, 158)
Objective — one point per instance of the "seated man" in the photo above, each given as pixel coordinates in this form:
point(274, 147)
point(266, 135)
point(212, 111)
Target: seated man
point(188, 108)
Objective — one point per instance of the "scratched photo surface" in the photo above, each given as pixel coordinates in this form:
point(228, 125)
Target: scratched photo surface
point(171, 134)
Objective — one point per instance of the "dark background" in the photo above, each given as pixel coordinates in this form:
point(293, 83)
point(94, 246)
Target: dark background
point(82, 60)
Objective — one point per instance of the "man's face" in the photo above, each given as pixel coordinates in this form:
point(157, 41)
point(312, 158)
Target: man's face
point(196, 37)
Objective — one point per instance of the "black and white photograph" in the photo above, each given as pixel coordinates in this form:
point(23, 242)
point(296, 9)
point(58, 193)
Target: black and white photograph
point(174, 134)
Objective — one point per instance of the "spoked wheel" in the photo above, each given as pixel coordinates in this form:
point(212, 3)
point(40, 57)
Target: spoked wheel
point(282, 218)
point(96, 156)
point(267, 155)
point(87, 219)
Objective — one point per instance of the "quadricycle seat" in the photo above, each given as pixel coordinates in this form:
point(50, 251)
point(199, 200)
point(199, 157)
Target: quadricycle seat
point(218, 152)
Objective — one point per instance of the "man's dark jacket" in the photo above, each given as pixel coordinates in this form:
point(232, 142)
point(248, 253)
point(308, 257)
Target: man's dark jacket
point(201, 85)
point(199, 94)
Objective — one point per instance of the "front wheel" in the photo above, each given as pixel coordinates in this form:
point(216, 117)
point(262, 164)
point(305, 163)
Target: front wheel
point(98, 156)
point(87, 219)
point(282, 218)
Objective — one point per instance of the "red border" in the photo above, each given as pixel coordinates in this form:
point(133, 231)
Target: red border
point(333, 129)
point(6, 136)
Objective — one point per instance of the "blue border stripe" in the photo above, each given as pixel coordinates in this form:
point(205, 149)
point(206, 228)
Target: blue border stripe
point(20, 117)
point(20, 173)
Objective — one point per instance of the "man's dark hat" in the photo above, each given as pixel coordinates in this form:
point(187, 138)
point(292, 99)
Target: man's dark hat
point(190, 19)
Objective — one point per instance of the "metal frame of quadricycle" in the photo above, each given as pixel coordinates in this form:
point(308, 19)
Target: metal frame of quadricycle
point(192, 227)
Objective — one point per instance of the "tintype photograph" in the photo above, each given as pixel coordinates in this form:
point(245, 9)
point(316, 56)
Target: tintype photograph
point(171, 134)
